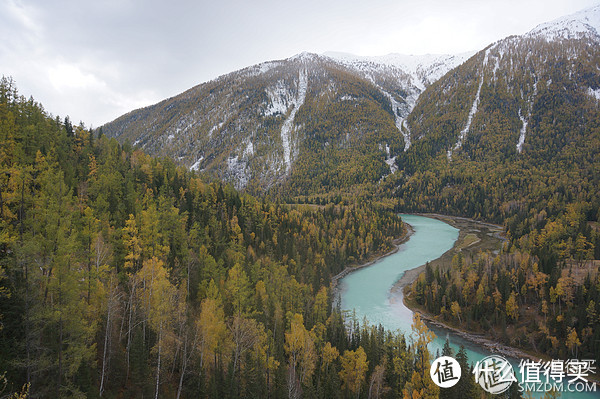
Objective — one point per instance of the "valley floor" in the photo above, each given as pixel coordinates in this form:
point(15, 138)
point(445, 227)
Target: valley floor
point(474, 236)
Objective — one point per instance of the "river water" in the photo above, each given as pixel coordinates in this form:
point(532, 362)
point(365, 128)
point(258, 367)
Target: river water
point(367, 291)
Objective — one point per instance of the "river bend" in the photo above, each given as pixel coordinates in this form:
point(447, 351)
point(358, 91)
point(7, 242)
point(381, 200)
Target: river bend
point(368, 291)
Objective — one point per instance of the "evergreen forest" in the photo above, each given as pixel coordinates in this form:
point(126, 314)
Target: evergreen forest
point(123, 275)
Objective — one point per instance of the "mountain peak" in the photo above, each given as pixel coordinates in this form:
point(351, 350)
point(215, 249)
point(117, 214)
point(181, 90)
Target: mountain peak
point(304, 56)
point(409, 63)
point(309, 120)
point(424, 69)
point(582, 23)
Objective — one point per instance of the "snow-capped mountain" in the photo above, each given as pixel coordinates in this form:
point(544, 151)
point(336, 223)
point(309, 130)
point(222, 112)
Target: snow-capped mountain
point(263, 124)
point(507, 101)
point(314, 122)
point(585, 23)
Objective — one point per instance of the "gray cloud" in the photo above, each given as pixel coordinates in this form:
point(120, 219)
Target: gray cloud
point(96, 60)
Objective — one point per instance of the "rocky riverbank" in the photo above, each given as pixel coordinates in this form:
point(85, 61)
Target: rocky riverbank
point(478, 339)
point(334, 289)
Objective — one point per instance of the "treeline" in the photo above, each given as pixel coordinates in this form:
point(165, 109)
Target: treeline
point(122, 275)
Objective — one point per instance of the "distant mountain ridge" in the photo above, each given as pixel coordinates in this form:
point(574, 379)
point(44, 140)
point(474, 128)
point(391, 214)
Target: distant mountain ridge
point(585, 23)
point(314, 122)
point(493, 104)
point(252, 126)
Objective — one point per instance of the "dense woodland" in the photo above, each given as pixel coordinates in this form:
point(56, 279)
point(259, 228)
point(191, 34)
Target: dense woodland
point(343, 147)
point(508, 296)
point(122, 275)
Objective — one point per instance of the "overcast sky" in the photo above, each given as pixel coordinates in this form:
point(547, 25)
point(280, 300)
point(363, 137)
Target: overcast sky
point(96, 60)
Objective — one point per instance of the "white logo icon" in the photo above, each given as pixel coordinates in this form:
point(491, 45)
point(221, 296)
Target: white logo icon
point(445, 371)
point(494, 373)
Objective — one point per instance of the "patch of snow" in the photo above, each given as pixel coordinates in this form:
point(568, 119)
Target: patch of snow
point(390, 161)
point(397, 108)
point(236, 169)
point(215, 128)
point(267, 66)
point(473, 111)
point(261, 68)
point(303, 57)
point(405, 125)
point(279, 99)
point(594, 93)
point(196, 165)
point(497, 59)
point(136, 142)
point(170, 137)
point(525, 121)
point(347, 98)
point(286, 128)
point(249, 151)
point(522, 134)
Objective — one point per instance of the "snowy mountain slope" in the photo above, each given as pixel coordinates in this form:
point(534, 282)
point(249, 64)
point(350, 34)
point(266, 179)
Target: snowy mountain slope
point(514, 98)
point(422, 69)
point(253, 126)
point(248, 126)
point(312, 122)
point(412, 74)
point(585, 23)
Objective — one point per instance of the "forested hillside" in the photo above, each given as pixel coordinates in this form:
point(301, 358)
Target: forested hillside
point(307, 119)
point(122, 275)
point(513, 136)
point(309, 124)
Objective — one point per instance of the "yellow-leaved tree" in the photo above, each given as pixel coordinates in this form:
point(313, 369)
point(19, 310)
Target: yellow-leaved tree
point(354, 370)
point(300, 347)
point(420, 384)
point(214, 341)
point(158, 299)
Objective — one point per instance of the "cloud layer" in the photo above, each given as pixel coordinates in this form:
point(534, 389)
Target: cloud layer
point(95, 60)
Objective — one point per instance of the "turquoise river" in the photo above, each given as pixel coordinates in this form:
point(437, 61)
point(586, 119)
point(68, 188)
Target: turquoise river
point(368, 291)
